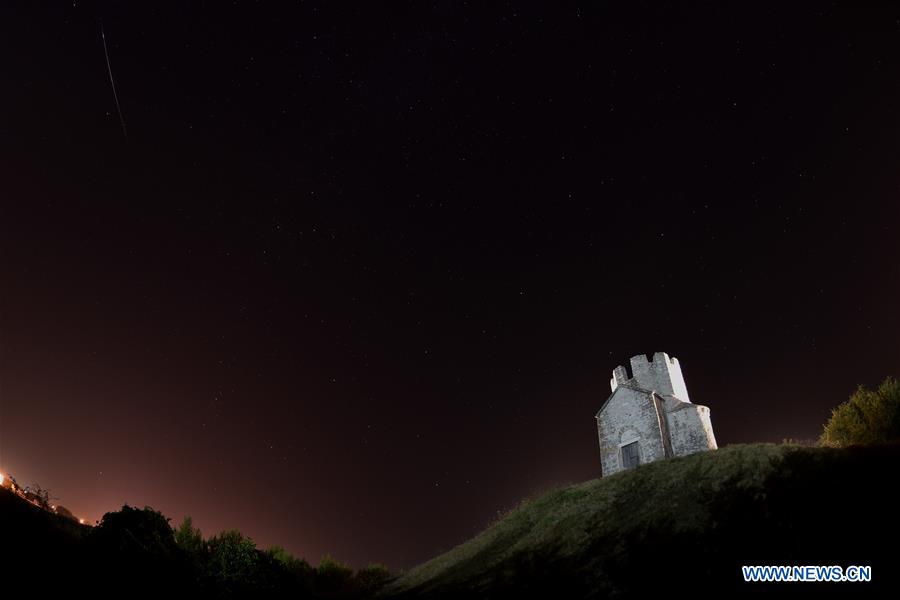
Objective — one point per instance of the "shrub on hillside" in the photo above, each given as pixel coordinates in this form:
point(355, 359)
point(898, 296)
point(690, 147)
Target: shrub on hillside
point(189, 538)
point(868, 417)
point(233, 562)
point(134, 551)
point(136, 532)
point(371, 578)
point(298, 572)
point(332, 577)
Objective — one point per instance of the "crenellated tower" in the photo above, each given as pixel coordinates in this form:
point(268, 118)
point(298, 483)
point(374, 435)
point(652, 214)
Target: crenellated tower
point(660, 374)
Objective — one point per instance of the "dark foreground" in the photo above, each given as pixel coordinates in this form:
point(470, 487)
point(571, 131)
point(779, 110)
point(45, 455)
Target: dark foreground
point(664, 530)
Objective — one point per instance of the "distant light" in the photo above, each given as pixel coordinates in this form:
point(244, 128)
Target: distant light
point(81, 521)
point(1, 478)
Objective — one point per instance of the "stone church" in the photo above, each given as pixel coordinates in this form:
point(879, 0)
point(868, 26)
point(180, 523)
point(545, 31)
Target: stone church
point(649, 416)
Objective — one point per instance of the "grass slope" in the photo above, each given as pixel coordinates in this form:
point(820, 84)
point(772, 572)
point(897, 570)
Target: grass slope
point(686, 524)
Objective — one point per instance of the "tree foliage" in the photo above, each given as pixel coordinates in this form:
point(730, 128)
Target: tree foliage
point(38, 494)
point(229, 565)
point(136, 531)
point(297, 569)
point(233, 562)
point(138, 552)
point(371, 578)
point(868, 417)
point(332, 577)
point(189, 538)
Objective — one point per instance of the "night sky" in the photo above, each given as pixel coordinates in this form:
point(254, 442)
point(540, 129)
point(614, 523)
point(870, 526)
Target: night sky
point(356, 277)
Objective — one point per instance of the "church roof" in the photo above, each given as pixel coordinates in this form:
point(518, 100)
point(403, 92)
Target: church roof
point(630, 386)
point(670, 406)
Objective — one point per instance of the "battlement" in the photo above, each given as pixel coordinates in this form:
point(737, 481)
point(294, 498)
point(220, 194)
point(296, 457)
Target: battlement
point(660, 373)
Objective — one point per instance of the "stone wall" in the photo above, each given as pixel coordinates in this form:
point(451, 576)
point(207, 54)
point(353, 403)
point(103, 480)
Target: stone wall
point(691, 430)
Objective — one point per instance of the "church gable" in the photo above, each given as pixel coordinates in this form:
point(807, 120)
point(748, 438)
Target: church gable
point(628, 416)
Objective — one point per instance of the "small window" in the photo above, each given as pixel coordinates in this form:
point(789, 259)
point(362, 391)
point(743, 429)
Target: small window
point(631, 456)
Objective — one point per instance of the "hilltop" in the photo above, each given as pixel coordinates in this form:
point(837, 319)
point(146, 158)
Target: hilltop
point(684, 525)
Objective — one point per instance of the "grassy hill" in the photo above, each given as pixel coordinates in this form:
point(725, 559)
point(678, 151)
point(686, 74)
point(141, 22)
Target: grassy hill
point(666, 528)
point(686, 525)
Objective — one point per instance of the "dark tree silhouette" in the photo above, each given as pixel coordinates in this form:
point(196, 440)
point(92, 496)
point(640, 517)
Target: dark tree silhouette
point(38, 494)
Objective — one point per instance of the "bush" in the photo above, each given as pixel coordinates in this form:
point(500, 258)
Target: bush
point(868, 417)
point(135, 551)
point(332, 577)
point(298, 573)
point(133, 532)
point(370, 579)
point(189, 538)
point(233, 563)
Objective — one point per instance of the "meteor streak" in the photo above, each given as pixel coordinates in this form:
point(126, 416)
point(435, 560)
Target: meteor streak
point(112, 82)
